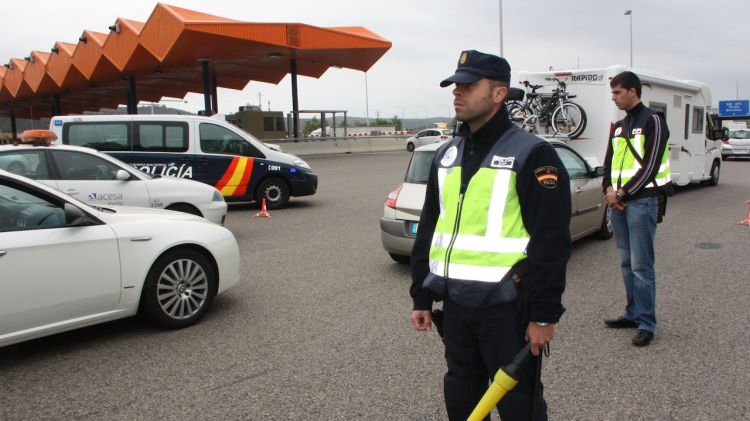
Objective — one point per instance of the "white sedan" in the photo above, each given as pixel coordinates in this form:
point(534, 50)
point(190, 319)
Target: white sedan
point(99, 179)
point(66, 265)
point(428, 136)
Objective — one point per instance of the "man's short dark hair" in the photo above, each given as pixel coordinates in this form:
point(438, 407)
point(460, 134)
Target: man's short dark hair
point(627, 80)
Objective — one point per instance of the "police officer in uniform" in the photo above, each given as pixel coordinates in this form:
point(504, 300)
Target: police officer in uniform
point(493, 231)
point(636, 173)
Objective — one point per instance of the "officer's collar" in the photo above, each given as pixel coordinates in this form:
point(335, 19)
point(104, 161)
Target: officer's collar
point(491, 130)
point(635, 110)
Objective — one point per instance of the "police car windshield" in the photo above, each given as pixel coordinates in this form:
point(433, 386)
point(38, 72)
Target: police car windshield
point(419, 167)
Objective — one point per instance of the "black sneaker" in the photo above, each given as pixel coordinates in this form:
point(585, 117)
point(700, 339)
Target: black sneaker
point(620, 323)
point(642, 338)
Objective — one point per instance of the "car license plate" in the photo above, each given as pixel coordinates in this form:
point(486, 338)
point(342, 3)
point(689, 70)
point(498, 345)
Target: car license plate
point(413, 228)
point(737, 150)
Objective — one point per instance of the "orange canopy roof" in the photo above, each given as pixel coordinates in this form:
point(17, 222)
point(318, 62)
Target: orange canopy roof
point(165, 56)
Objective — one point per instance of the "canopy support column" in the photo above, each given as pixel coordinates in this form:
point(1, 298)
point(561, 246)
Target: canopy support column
point(13, 129)
point(295, 104)
point(132, 99)
point(206, 88)
point(56, 105)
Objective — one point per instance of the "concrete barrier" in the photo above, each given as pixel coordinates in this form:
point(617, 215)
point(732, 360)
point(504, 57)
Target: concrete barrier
point(332, 146)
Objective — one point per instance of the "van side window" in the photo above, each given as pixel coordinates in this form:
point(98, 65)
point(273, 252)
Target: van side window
point(100, 136)
point(217, 139)
point(161, 137)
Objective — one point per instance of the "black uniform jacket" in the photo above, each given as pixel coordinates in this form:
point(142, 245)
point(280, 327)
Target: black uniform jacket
point(654, 128)
point(545, 212)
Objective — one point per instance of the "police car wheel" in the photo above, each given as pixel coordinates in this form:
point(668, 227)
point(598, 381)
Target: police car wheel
point(179, 289)
point(182, 207)
point(275, 191)
point(410, 147)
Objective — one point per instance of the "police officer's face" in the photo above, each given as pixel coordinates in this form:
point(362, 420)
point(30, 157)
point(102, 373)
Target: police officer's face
point(624, 99)
point(477, 102)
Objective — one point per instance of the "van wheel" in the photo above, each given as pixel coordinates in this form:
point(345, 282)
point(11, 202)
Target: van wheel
point(275, 191)
point(605, 231)
point(182, 207)
point(179, 289)
point(715, 172)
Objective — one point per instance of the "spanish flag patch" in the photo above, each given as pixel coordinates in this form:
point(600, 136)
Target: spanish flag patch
point(546, 176)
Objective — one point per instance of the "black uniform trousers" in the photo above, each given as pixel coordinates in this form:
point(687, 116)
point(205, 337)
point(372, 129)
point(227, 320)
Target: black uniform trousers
point(478, 341)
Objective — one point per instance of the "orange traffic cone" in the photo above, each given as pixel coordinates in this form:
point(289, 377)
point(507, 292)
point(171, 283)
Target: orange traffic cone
point(263, 211)
point(746, 221)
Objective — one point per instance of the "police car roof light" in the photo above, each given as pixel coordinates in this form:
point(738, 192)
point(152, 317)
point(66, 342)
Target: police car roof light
point(38, 137)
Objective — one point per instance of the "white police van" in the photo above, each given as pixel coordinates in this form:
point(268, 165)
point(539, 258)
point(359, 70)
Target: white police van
point(200, 148)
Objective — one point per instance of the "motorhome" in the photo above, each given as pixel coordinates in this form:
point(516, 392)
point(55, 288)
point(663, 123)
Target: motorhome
point(694, 148)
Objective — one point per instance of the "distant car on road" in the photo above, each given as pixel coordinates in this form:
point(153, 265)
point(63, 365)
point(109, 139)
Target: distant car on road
point(426, 137)
point(98, 179)
point(403, 206)
point(67, 265)
point(737, 145)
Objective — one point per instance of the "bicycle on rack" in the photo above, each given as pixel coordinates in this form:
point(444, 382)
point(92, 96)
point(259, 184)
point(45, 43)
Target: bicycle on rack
point(548, 111)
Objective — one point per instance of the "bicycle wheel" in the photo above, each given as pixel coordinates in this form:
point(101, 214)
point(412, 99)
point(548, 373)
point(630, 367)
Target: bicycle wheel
point(569, 120)
point(517, 112)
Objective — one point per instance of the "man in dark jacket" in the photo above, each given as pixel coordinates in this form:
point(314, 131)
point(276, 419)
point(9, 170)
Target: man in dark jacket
point(636, 173)
point(495, 217)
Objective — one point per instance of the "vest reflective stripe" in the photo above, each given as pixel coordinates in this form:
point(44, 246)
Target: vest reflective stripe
point(490, 236)
point(625, 166)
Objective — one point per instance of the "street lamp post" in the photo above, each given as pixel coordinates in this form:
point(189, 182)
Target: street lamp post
point(630, 13)
point(425, 113)
point(403, 120)
point(367, 105)
point(501, 28)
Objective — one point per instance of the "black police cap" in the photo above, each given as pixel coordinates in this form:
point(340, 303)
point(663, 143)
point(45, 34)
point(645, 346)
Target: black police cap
point(474, 65)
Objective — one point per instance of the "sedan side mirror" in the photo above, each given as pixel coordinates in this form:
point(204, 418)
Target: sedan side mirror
point(598, 172)
point(74, 216)
point(122, 175)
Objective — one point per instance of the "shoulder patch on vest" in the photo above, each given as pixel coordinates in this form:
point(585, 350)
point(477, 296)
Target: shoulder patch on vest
point(502, 162)
point(618, 131)
point(449, 156)
point(546, 176)
point(637, 131)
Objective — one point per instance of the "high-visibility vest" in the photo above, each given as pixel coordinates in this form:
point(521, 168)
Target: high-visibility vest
point(624, 164)
point(479, 234)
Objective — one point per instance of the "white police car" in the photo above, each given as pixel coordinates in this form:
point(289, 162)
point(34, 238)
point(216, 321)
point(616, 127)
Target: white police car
point(65, 265)
point(99, 179)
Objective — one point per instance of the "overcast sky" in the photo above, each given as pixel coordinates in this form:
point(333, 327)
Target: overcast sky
point(689, 39)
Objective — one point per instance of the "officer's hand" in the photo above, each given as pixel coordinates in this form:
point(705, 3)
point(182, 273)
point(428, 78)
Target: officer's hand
point(539, 336)
point(421, 319)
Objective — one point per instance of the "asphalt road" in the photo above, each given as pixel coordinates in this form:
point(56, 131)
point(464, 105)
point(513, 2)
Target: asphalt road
point(318, 328)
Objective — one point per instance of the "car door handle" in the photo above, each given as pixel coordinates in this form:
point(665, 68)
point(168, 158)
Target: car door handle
point(578, 190)
point(140, 239)
point(3, 253)
point(71, 192)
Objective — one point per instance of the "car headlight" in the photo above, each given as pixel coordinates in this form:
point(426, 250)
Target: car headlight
point(217, 196)
point(302, 164)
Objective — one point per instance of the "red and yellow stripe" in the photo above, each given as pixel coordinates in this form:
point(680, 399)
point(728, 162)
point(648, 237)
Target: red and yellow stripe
point(235, 179)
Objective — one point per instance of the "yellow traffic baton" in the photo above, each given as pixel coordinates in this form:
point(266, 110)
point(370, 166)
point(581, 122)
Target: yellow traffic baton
point(505, 380)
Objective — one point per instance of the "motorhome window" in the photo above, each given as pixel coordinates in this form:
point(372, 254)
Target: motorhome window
point(100, 136)
point(82, 166)
point(573, 164)
point(161, 137)
point(659, 107)
point(28, 163)
point(697, 120)
point(217, 139)
point(687, 119)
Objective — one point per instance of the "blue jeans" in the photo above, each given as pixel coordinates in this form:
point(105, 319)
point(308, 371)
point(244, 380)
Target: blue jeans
point(634, 230)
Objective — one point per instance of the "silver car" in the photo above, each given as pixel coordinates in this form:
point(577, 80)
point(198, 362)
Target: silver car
point(426, 137)
point(403, 206)
point(738, 144)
